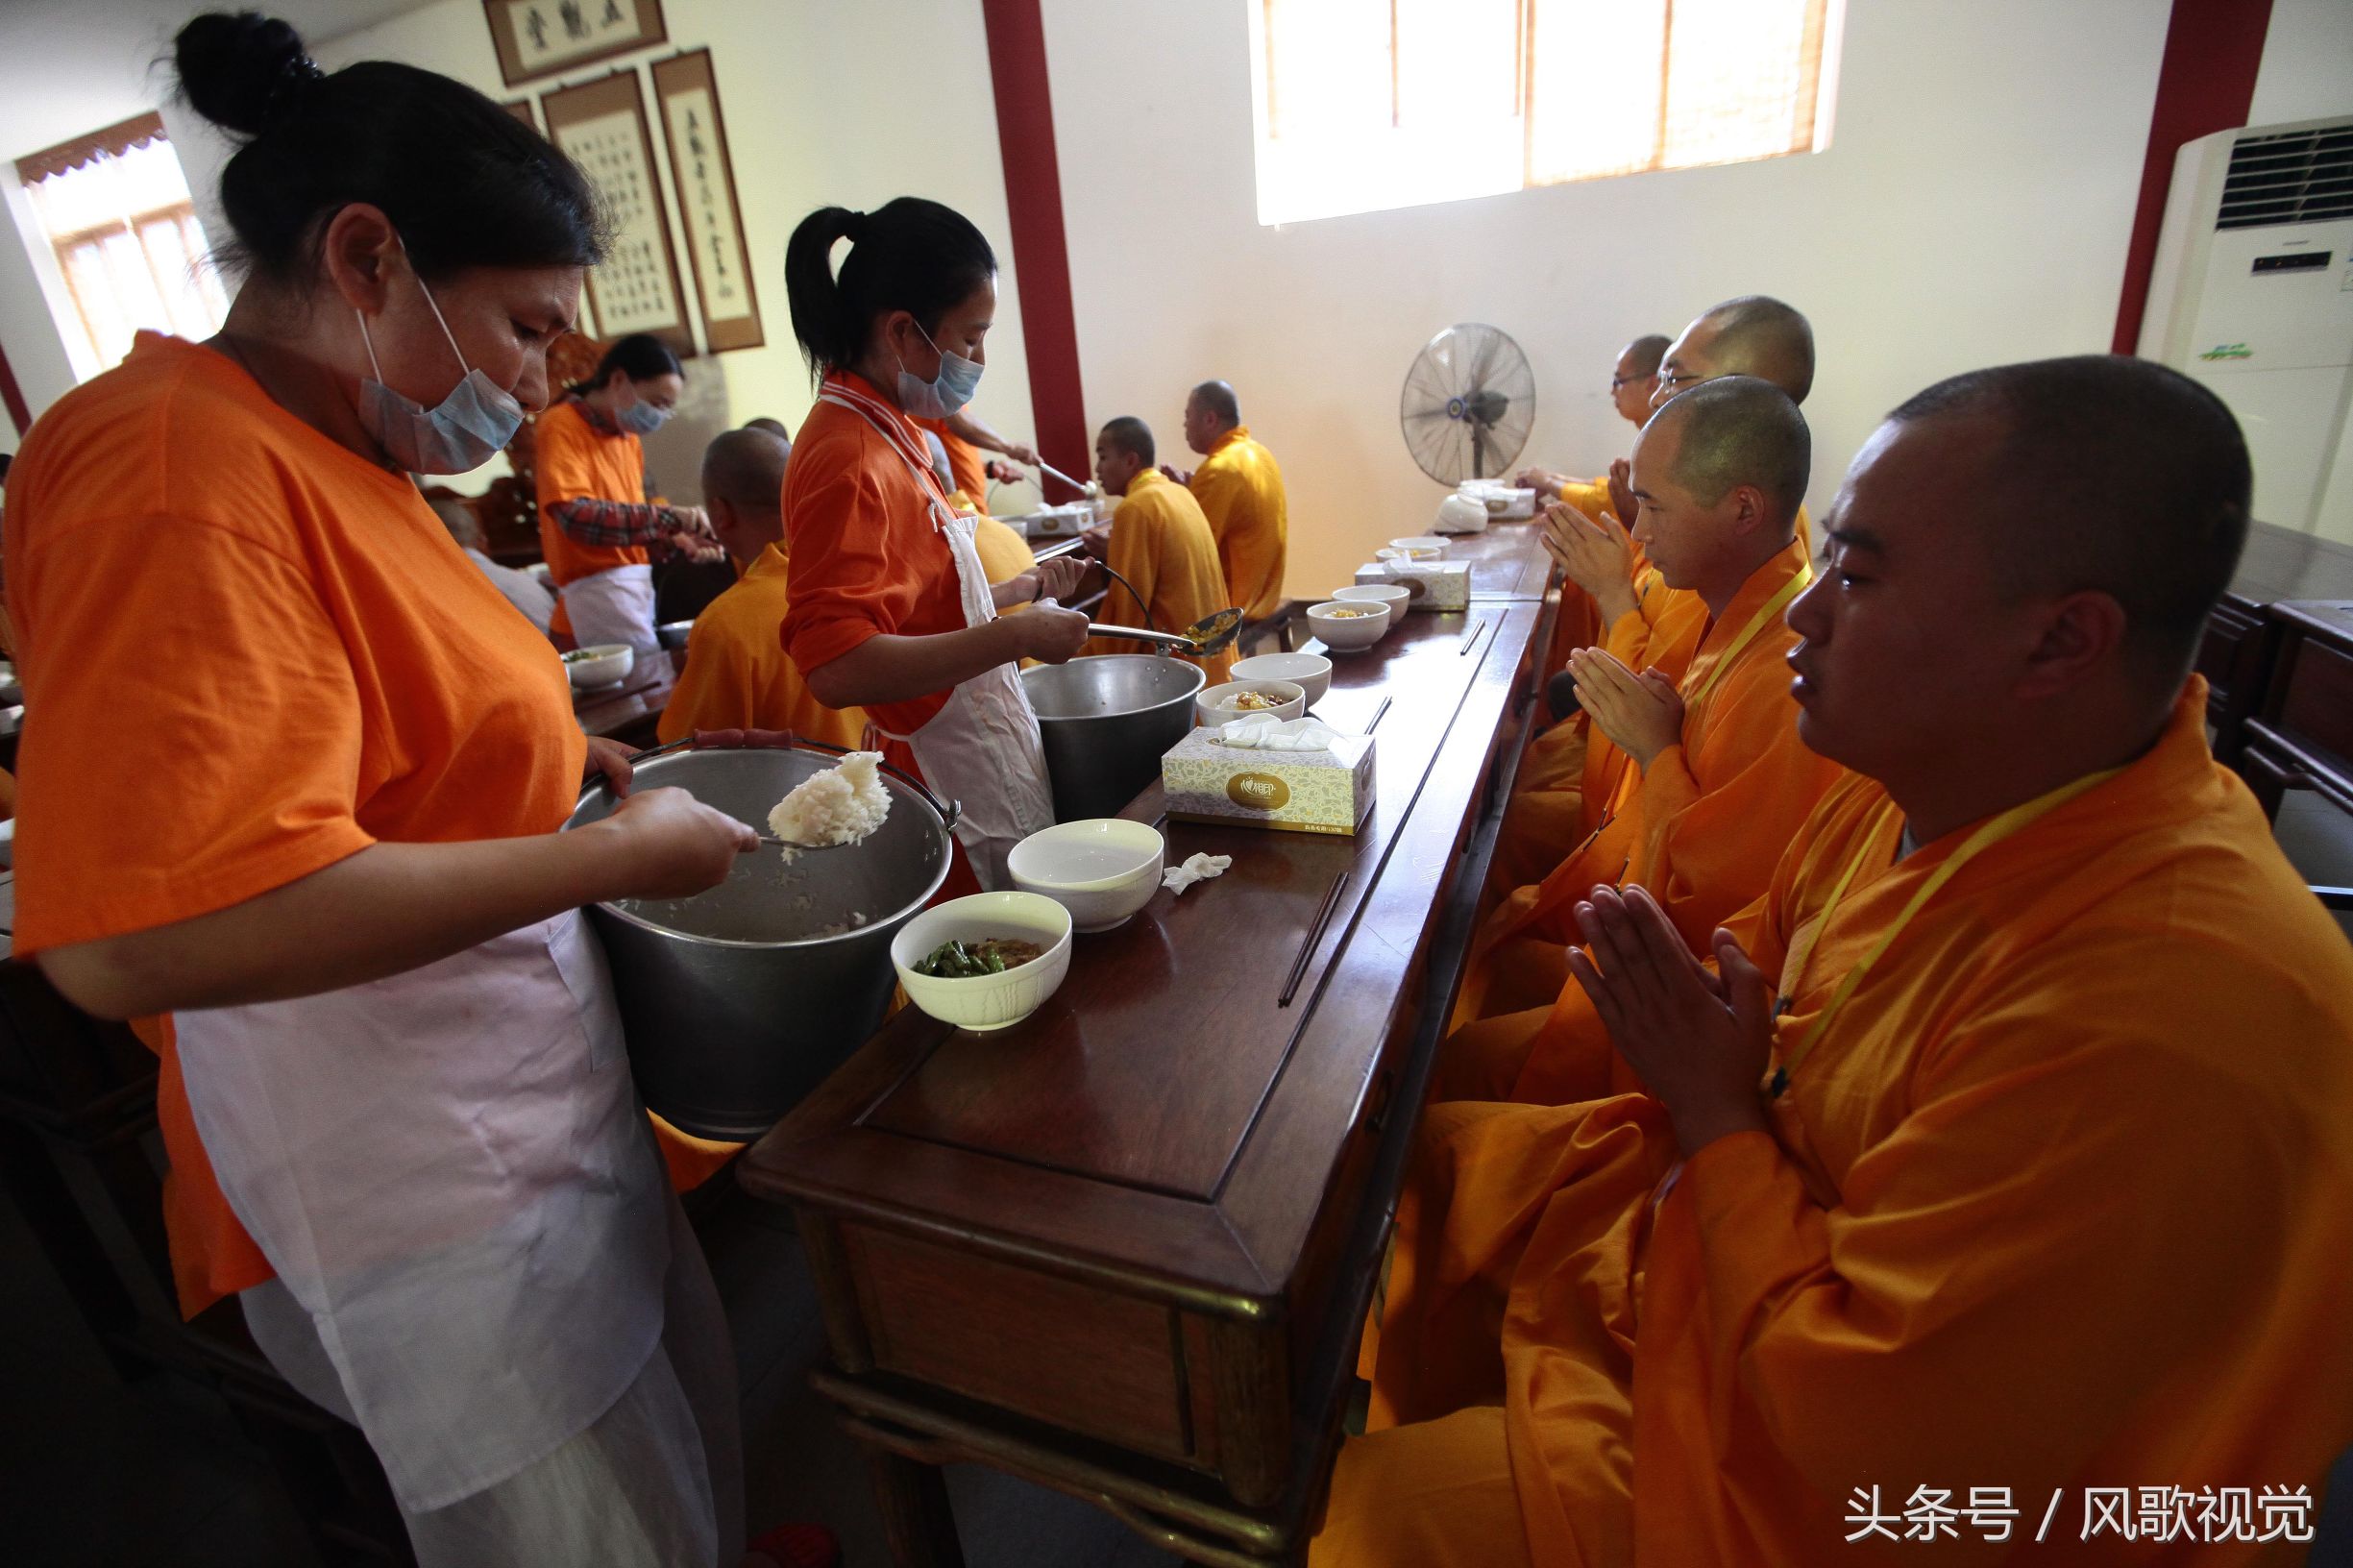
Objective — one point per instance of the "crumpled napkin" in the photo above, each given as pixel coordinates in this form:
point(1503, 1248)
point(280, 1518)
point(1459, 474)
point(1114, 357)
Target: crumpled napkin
point(1196, 869)
point(1263, 732)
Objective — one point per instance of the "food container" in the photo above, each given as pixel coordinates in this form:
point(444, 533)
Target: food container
point(1304, 792)
point(1348, 626)
point(985, 1002)
point(1291, 700)
point(1106, 719)
point(672, 634)
point(1310, 672)
point(1427, 546)
point(1397, 598)
point(1102, 872)
point(1067, 521)
point(1503, 502)
point(740, 1000)
point(595, 668)
point(1428, 585)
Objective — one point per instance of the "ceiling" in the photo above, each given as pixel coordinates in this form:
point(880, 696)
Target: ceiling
point(70, 66)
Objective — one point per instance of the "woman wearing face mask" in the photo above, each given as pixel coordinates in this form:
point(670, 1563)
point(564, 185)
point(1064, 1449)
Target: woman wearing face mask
point(292, 800)
point(595, 528)
point(891, 610)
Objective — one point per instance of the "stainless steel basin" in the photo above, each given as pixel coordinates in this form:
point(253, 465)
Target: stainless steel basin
point(739, 1001)
point(1107, 720)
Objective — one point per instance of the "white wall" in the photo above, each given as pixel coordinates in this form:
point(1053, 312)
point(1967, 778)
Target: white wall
point(2306, 69)
point(1974, 208)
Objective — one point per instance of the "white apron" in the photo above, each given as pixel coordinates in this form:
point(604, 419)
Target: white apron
point(448, 1171)
point(613, 606)
point(983, 748)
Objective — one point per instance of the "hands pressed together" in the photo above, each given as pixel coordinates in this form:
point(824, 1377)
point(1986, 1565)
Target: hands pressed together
point(1597, 554)
point(1642, 714)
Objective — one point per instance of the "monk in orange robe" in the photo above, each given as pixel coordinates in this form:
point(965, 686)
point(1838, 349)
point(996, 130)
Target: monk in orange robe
point(1241, 491)
point(1158, 545)
point(1998, 1155)
point(1715, 780)
point(1561, 790)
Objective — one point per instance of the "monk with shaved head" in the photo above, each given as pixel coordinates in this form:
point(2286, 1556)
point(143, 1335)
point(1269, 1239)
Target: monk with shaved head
point(1241, 491)
point(1995, 1161)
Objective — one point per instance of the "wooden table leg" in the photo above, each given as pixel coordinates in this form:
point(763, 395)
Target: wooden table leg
point(916, 1519)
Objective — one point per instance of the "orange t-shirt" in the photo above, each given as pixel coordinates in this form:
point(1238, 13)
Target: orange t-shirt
point(867, 556)
point(578, 460)
point(247, 653)
point(964, 463)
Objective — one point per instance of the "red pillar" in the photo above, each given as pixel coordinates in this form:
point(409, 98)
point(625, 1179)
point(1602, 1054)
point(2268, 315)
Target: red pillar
point(1033, 200)
point(2204, 85)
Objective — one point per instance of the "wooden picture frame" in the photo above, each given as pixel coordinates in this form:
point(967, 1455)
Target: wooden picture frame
point(702, 174)
point(521, 108)
point(539, 38)
point(600, 126)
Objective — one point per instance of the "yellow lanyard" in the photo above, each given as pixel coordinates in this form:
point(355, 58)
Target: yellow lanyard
point(1766, 615)
point(1793, 971)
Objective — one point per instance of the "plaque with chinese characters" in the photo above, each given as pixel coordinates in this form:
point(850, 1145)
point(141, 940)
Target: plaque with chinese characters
point(704, 178)
point(602, 127)
point(540, 38)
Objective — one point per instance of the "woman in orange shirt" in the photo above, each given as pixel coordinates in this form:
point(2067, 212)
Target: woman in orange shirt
point(595, 528)
point(295, 780)
point(891, 610)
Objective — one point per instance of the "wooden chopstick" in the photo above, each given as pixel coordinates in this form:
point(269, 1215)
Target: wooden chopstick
point(1472, 641)
point(1315, 932)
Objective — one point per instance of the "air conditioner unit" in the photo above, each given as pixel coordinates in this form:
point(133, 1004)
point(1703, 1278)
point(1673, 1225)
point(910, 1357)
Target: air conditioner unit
point(2253, 295)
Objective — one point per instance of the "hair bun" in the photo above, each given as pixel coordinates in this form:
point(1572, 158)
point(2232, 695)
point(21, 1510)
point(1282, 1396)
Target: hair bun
point(243, 72)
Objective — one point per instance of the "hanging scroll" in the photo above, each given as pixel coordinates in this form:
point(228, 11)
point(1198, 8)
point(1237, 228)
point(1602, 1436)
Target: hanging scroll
point(602, 127)
point(540, 38)
point(704, 179)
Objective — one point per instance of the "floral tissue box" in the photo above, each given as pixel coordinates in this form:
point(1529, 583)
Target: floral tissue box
point(1434, 585)
point(1306, 792)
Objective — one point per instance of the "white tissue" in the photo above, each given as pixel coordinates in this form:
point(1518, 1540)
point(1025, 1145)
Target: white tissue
point(1196, 869)
point(1459, 513)
point(1263, 732)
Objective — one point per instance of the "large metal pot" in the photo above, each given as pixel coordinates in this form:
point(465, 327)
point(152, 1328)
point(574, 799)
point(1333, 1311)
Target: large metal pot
point(1107, 722)
point(739, 1001)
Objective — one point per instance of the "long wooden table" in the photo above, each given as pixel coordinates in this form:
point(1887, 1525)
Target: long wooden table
point(1125, 1248)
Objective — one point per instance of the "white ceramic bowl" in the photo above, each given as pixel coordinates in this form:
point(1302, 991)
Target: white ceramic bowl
point(1209, 706)
point(1397, 598)
point(1428, 547)
point(1349, 633)
point(986, 1001)
point(1102, 871)
point(605, 664)
point(1310, 672)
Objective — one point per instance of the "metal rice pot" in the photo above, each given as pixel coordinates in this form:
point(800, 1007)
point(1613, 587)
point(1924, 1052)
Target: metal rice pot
point(739, 1001)
point(1107, 721)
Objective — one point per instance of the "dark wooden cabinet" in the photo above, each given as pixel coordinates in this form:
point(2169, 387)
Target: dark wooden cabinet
point(2300, 734)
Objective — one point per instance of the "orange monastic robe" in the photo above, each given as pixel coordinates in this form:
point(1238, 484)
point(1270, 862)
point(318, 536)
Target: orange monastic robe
point(1161, 543)
point(1578, 622)
point(2061, 1199)
point(1700, 828)
point(1241, 491)
point(738, 675)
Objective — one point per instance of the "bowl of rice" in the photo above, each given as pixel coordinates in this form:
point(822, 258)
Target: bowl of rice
point(1248, 699)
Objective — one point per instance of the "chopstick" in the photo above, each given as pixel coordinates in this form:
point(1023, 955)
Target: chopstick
point(1379, 713)
point(1472, 641)
point(1307, 947)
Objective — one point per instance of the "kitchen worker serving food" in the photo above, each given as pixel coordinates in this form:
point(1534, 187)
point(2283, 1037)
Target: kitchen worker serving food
point(295, 806)
point(891, 608)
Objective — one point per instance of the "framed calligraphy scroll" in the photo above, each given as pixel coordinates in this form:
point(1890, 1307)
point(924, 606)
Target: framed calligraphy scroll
point(538, 38)
point(521, 110)
point(602, 127)
point(703, 176)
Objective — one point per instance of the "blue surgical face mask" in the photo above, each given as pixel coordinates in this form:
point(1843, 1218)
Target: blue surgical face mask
point(642, 418)
point(460, 433)
point(944, 394)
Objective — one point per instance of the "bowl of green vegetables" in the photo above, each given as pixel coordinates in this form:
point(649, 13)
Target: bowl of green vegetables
point(984, 962)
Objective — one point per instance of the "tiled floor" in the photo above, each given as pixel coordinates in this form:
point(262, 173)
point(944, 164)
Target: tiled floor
point(95, 1472)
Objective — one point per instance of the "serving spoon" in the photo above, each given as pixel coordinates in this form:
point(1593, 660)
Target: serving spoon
point(1211, 634)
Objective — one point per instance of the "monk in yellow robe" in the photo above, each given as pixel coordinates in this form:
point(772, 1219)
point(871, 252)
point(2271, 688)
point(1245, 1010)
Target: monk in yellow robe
point(1241, 491)
point(1715, 780)
point(1158, 545)
point(1559, 792)
point(1996, 1160)
point(737, 675)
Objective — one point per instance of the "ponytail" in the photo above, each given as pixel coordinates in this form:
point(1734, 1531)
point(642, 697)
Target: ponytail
point(909, 254)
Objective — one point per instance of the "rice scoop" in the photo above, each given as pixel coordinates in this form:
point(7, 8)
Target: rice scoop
point(840, 805)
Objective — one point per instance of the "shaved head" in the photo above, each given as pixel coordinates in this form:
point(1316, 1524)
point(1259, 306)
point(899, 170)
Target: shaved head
point(746, 468)
point(1131, 436)
point(1641, 357)
point(2109, 473)
point(1753, 335)
point(1735, 430)
point(1210, 409)
point(774, 427)
point(1216, 398)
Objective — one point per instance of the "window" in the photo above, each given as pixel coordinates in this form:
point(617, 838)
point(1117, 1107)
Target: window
point(1364, 105)
point(117, 214)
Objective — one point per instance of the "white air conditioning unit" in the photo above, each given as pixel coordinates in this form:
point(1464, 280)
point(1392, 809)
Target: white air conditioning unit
point(2253, 295)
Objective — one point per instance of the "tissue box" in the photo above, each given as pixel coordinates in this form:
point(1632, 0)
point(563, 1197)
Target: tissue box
point(1306, 792)
point(1435, 585)
point(1505, 504)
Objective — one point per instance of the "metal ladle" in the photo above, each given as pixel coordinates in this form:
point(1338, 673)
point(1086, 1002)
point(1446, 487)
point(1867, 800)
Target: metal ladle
point(1211, 634)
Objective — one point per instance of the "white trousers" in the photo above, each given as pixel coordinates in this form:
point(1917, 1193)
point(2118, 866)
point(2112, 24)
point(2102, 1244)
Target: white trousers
point(614, 606)
point(656, 1482)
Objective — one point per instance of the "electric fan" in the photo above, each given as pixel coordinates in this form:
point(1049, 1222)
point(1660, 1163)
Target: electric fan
point(1468, 403)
